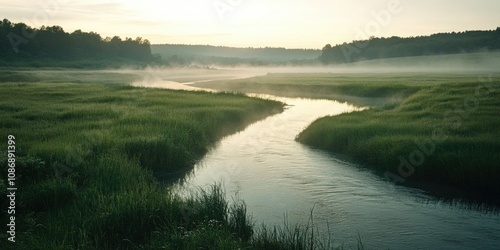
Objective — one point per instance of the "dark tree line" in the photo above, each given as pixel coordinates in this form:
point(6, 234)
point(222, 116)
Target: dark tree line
point(21, 43)
point(437, 44)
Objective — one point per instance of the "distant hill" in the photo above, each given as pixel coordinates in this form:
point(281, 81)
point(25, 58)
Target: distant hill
point(206, 54)
point(437, 44)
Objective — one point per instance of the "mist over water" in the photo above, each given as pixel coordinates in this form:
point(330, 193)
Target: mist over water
point(458, 64)
point(281, 179)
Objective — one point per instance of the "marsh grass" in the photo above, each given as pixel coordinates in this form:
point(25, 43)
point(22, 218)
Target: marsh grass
point(463, 141)
point(228, 226)
point(86, 154)
point(60, 75)
point(297, 236)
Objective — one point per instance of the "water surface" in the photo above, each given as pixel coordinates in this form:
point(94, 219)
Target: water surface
point(278, 177)
point(275, 175)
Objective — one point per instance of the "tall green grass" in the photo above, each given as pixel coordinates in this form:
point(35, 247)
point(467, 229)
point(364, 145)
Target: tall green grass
point(160, 128)
point(86, 154)
point(444, 133)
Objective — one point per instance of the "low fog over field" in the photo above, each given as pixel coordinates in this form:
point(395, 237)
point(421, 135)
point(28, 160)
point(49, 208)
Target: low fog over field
point(450, 64)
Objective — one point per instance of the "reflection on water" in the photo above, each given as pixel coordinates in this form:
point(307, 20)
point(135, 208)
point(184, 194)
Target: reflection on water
point(274, 175)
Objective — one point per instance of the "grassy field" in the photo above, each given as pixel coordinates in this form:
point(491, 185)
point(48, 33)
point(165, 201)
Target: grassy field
point(438, 128)
point(85, 160)
point(361, 89)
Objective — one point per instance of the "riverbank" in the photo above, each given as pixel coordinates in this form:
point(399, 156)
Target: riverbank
point(439, 128)
point(85, 156)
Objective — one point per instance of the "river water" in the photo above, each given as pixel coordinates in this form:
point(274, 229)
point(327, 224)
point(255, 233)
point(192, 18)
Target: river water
point(278, 177)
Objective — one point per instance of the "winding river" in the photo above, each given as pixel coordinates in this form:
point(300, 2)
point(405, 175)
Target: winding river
point(279, 178)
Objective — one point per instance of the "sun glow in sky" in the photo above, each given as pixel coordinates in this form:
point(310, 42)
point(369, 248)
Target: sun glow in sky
point(257, 23)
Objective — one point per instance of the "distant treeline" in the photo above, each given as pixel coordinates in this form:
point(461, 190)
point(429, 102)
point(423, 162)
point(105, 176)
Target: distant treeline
point(52, 46)
point(437, 44)
point(181, 54)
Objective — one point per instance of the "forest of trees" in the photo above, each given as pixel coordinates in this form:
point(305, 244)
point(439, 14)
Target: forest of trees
point(437, 44)
point(52, 46)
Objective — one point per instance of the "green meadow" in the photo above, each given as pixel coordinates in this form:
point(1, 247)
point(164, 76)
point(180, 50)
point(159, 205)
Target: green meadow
point(436, 128)
point(87, 152)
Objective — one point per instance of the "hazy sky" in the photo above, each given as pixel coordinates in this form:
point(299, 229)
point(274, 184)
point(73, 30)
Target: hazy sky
point(257, 23)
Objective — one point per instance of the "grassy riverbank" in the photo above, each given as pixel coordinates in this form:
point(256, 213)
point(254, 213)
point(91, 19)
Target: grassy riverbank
point(438, 128)
point(85, 156)
point(358, 88)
